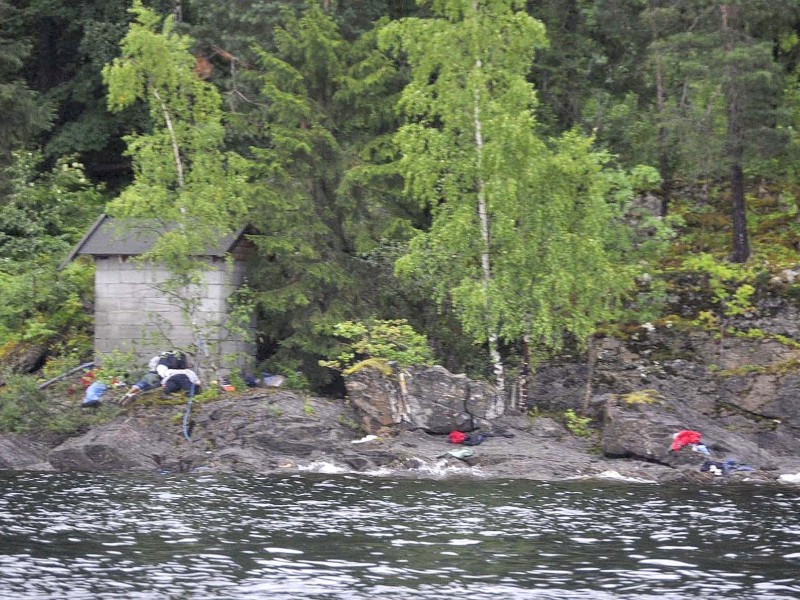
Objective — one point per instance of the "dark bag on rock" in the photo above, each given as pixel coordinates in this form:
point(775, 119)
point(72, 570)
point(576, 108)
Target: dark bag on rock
point(173, 359)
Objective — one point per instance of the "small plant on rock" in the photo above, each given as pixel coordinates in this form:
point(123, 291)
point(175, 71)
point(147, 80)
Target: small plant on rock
point(578, 425)
point(386, 341)
point(648, 396)
point(308, 408)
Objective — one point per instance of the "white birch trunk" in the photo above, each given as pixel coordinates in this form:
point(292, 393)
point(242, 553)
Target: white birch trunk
point(173, 138)
point(492, 338)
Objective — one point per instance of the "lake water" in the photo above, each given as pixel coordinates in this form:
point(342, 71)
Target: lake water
point(340, 536)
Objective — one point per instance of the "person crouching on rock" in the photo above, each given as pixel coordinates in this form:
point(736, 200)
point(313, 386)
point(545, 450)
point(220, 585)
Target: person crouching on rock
point(176, 380)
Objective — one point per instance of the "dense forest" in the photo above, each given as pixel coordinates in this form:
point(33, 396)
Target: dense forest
point(500, 179)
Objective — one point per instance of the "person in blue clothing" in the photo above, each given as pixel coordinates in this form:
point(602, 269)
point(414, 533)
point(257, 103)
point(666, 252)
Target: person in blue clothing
point(94, 393)
point(149, 380)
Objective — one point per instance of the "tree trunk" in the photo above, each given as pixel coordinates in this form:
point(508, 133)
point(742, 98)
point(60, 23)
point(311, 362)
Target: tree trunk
point(483, 216)
point(591, 361)
point(661, 105)
point(525, 370)
point(741, 247)
point(740, 251)
point(47, 74)
point(176, 153)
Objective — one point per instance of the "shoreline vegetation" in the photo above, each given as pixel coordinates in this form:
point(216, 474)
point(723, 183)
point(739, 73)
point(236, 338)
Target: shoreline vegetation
point(586, 214)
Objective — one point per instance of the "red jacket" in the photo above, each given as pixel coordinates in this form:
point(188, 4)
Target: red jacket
point(684, 438)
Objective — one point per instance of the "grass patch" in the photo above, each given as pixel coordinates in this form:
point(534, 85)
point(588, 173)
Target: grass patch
point(646, 396)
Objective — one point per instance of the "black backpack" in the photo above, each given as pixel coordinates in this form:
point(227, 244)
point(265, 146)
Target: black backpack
point(173, 359)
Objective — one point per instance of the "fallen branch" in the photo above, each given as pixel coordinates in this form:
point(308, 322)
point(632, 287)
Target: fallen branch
point(87, 365)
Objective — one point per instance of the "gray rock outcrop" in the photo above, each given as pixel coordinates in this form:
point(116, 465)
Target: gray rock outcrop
point(741, 394)
point(431, 399)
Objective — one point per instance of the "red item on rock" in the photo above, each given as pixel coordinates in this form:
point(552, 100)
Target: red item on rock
point(87, 378)
point(684, 438)
point(457, 437)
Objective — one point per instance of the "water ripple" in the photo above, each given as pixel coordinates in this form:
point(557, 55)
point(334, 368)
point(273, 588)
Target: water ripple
point(352, 537)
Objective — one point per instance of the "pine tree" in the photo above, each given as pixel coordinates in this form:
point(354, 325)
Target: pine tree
point(71, 42)
point(24, 113)
point(721, 87)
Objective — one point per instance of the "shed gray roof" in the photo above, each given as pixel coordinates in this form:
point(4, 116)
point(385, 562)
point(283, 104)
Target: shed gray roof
point(132, 237)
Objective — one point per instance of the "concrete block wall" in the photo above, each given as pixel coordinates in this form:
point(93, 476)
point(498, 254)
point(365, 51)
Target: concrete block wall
point(132, 313)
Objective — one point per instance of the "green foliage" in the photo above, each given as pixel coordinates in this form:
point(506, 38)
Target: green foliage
point(467, 151)
point(526, 236)
point(61, 363)
point(74, 419)
point(661, 82)
point(728, 282)
point(388, 341)
point(46, 306)
point(755, 333)
point(786, 341)
point(24, 407)
point(351, 424)
point(328, 195)
point(182, 173)
point(116, 367)
point(293, 370)
point(373, 363)
point(71, 41)
point(25, 113)
point(274, 411)
point(209, 394)
point(43, 216)
point(308, 408)
point(745, 370)
point(45, 213)
point(578, 425)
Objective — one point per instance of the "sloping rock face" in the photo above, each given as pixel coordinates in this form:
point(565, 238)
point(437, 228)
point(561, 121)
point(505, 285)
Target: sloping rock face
point(18, 453)
point(116, 446)
point(743, 395)
point(645, 431)
point(431, 399)
point(256, 433)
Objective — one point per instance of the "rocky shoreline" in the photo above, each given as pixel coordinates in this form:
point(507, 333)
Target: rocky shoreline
point(396, 424)
point(282, 432)
point(277, 431)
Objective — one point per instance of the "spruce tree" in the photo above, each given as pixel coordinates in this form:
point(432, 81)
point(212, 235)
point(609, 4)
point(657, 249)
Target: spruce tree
point(327, 206)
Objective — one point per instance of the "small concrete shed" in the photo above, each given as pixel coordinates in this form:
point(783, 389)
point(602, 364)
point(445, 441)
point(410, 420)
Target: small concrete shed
point(133, 313)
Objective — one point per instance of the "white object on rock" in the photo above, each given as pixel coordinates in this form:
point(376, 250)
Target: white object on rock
point(367, 438)
point(789, 478)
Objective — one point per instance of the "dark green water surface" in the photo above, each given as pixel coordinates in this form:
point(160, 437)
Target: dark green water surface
point(340, 536)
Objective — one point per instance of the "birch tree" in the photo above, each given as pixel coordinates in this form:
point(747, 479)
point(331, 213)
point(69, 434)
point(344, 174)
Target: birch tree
point(465, 147)
point(522, 238)
point(183, 178)
point(181, 171)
